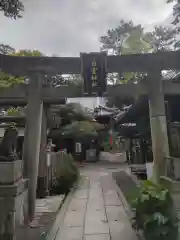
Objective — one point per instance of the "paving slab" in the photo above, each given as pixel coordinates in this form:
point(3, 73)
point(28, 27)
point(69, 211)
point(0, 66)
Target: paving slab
point(97, 237)
point(82, 193)
point(111, 198)
point(96, 223)
point(96, 211)
point(46, 212)
point(77, 204)
point(74, 219)
point(119, 225)
point(70, 233)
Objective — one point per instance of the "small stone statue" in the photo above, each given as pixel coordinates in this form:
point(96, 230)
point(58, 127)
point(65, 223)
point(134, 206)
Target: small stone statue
point(8, 145)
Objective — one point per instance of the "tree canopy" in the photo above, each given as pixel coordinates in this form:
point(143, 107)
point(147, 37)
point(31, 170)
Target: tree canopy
point(73, 112)
point(163, 38)
point(129, 38)
point(6, 49)
point(176, 10)
point(12, 8)
point(7, 80)
point(76, 121)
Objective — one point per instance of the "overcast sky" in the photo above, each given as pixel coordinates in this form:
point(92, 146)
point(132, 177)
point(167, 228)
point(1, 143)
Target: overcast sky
point(67, 27)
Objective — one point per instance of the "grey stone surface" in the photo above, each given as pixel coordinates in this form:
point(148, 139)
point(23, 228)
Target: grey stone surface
point(21, 206)
point(111, 198)
point(47, 205)
point(82, 193)
point(119, 224)
point(77, 204)
point(75, 218)
point(13, 190)
point(13, 207)
point(96, 212)
point(113, 157)
point(96, 221)
point(97, 237)
point(70, 233)
point(77, 209)
point(10, 172)
point(15, 197)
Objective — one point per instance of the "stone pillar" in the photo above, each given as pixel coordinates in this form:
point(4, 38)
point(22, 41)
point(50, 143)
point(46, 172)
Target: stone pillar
point(13, 199)
point(160, 146)
point(42, 190)
point(33, 137)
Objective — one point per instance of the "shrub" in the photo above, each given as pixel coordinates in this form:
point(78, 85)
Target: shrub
point(67, 174)
point(154, 212)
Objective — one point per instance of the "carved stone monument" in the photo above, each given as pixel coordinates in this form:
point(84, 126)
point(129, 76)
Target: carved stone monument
point(10, 165)
point(13, 188)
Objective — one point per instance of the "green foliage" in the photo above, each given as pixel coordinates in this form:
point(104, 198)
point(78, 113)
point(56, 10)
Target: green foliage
point(136, 42)
point(66, 175)
point(6, 49)
point(12, 8)
point(75, 81)
point(13, 111)
point(74, 112)
point(76, 122)
point(154, 212)
point(7, 80)
point(127, 38)
point(176, 11)
point(115, 38)
point(81, 129)
point(27, 53)
point(163, 38)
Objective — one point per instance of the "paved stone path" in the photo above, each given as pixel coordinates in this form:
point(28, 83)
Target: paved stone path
point(113, 157)
point(96, 211)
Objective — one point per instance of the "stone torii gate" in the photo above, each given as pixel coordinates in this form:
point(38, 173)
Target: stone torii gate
point(35, 95)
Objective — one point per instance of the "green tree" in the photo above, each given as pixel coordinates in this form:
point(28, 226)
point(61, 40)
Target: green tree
point(6, 49)
point(163, 38)
point(73, 112)
point(176, 10)
point(76, 120)
point(51, 80)
point(127, 38)
point(7, 80)
point(27, 53)
point(12, 8)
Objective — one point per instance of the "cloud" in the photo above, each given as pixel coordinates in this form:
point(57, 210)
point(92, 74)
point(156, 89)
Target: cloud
point(67, 27)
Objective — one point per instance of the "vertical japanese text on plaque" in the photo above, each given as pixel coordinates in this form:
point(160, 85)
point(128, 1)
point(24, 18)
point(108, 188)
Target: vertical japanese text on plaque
point(94, 76)
point(93, 70)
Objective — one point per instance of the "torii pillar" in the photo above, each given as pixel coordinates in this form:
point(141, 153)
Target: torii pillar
point(33, 137)
point(157, 115)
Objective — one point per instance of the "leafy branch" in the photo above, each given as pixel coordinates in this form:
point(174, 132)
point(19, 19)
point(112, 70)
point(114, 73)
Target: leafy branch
point(12, 8)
